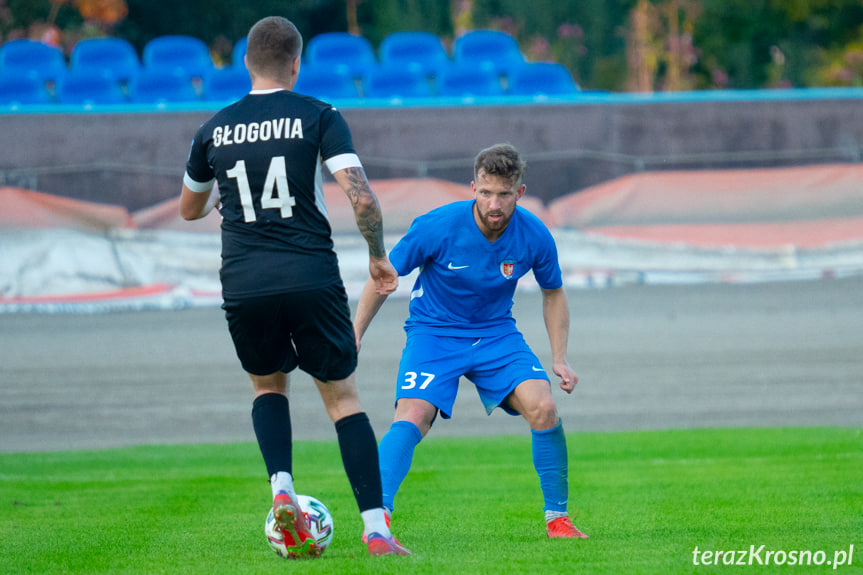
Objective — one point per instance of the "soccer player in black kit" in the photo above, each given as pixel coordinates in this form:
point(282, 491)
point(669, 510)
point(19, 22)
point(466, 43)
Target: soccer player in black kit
point(284, 299)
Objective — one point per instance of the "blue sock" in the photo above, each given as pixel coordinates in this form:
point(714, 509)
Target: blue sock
point(550, 461)
point(396, 452)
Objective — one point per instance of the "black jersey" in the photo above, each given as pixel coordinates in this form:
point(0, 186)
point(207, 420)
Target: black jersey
point(265, 152)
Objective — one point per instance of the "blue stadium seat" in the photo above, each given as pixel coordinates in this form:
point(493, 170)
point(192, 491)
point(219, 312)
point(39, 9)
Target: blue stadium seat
point(469, 80)
point(489, 48)
point(239, 52)
point(342, 52)
point(541, 79)
point(162, 86)
point(396, 82)
point(22, 88)
point(112, 55)
point(89, 86)
point(30, 56)
point(226, 84)
point(422, 51)
point(325, 84)
point(189, 54)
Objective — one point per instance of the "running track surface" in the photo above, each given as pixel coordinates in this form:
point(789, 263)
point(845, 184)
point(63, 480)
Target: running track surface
point(648, 357)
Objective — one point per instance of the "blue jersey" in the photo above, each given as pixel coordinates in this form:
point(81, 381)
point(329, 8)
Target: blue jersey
point(466, 283)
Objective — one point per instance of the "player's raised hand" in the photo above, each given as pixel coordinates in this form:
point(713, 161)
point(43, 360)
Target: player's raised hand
point(568, 379)
point(384, 275)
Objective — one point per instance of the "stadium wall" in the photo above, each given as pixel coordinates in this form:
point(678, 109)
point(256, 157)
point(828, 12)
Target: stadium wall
point(135, 157)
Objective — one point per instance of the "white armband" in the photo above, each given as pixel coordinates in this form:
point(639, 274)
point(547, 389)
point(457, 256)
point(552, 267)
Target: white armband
point(196, 186)
point(343, 161)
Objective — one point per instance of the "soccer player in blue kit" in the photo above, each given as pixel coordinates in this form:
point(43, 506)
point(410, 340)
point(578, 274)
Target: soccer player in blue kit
point(471, 255)
point(284, 298)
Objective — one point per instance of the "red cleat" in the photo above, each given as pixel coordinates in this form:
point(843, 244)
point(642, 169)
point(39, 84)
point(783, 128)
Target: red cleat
point(562, 527)
point(299, 541)
point(380, 545)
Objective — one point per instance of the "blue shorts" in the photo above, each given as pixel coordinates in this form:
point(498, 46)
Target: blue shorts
point(431, 366)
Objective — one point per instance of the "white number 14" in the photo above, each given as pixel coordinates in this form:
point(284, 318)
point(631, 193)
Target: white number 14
point(275, 193)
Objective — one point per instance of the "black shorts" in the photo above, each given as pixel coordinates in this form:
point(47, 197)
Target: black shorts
point(311, 330)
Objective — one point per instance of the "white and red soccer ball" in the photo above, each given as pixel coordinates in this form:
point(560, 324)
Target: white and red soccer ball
point(318, 519)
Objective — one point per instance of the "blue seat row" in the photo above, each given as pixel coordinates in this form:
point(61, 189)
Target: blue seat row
point(421, 51)
point(413, 64)
point(335, 65)
point(113, 56)
point(146, 87)
point(459, 81)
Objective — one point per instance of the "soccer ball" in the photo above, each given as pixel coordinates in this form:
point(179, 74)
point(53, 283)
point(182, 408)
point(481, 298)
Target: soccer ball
point(318, 519)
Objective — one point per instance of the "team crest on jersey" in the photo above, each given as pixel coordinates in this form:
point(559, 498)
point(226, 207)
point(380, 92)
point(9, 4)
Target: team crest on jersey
point(507, 268)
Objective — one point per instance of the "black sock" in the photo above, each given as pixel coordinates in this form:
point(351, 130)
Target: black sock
point(271, 418)
point(360, 458)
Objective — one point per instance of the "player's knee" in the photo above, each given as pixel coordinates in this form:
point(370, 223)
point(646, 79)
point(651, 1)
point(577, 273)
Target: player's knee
point(340, 398)
point(272, 383)
point(420, 413)
point(543, 414)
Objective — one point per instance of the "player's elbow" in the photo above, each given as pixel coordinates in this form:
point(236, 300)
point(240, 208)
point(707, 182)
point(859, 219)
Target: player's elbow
point(188, 213)
point(366, 204)
point(192, 210)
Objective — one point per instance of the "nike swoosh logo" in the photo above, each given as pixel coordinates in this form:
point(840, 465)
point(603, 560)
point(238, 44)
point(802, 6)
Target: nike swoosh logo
point(452, 267)
point(536, 368)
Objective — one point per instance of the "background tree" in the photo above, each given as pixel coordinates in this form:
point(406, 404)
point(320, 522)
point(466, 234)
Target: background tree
point(377, 18)
point(643, 47)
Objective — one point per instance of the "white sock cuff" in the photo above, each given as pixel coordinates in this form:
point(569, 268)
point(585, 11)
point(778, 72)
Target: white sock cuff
point(282, 481)
point(552, 515)
point(375, 521)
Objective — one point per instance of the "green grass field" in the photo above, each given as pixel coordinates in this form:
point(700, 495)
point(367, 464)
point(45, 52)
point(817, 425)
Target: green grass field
point(646, 499)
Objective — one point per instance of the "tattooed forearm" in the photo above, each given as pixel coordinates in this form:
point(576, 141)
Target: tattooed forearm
point(367, 211)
